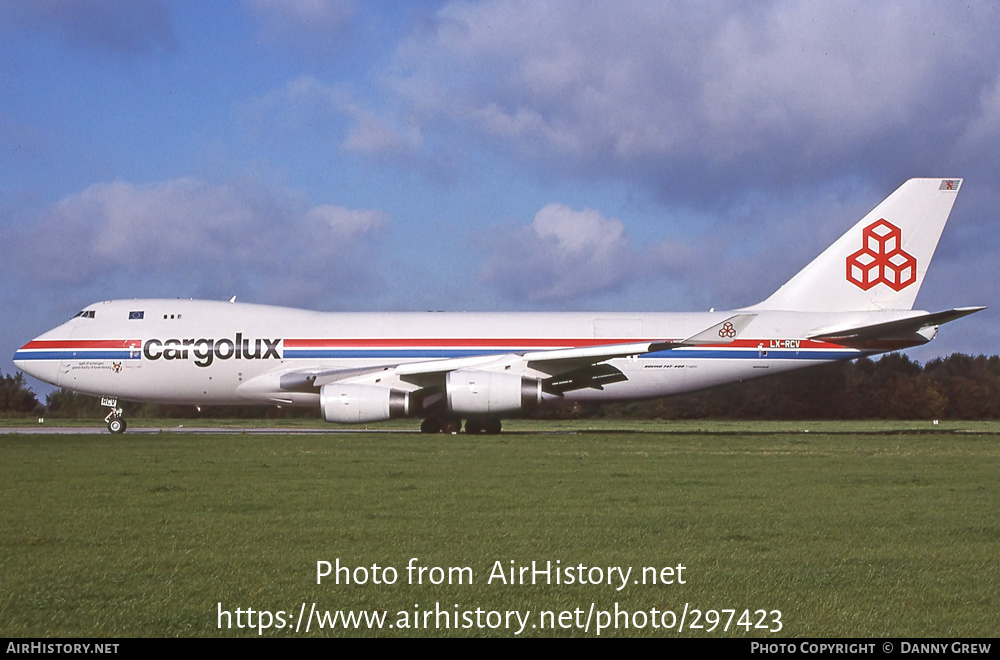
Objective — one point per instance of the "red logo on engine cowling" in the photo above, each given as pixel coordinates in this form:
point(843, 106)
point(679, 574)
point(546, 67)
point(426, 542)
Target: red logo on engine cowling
point(882, 259)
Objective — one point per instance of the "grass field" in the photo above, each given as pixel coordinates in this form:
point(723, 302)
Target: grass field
point(848, 530)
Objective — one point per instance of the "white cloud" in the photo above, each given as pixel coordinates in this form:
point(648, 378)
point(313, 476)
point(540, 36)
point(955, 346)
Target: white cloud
point(308, 106)
point(201, 237)
point(565, 254)
point(372, 134)
point(346, 223)
point(652, 89)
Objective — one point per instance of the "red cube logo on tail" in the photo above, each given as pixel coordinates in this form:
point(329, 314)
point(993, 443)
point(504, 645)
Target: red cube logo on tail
point(882, 259)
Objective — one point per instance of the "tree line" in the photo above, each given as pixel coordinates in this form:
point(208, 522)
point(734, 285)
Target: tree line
point(893, 387)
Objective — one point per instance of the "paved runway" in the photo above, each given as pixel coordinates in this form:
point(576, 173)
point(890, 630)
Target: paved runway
point(81, 430)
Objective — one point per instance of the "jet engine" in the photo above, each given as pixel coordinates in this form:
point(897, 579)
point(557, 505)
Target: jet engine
point(351, 403)
point(491, 393)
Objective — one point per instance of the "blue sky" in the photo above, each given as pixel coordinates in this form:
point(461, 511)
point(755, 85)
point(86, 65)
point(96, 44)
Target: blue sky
point(482, 155)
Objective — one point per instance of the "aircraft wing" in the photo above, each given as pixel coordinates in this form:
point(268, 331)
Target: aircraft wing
point(564, 359)
point(561, 369)
point(909, 331)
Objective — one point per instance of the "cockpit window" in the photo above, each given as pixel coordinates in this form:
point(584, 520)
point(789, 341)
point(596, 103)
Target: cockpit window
point(85, 314)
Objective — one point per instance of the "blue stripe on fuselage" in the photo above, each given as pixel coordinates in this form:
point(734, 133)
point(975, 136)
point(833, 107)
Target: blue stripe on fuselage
point(675, 354)
point(391, 353)
point(753, 354)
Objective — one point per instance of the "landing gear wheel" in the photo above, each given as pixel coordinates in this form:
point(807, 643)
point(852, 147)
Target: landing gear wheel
point(474, 426)
point(114, 420)
point(492, 426)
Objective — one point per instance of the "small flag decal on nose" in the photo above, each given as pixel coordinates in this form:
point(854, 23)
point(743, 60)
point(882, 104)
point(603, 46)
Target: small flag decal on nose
point(135, 315)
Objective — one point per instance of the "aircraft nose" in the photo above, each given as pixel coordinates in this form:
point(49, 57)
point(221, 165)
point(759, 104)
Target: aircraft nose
point(34, 360)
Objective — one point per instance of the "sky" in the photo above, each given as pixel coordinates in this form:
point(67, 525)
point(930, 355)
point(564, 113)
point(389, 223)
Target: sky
point(498, 155)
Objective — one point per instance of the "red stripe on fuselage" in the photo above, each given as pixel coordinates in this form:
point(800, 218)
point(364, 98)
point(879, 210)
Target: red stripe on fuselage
point(452, 342)
point(54, 344)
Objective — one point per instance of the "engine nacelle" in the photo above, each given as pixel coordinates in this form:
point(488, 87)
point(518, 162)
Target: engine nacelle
point(350, 403)
point(491, 393)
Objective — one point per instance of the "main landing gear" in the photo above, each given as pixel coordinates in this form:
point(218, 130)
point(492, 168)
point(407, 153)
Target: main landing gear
point(115, 419)
point(440, 425)
point(488, 425)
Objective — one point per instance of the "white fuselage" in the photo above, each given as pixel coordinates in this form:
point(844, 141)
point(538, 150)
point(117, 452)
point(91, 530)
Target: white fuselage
point(203, 352)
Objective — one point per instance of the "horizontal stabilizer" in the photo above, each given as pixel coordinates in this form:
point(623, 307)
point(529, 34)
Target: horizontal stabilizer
point(911, 330)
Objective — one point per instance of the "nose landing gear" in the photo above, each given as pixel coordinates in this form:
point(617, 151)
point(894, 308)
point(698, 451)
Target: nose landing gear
point(115, 419)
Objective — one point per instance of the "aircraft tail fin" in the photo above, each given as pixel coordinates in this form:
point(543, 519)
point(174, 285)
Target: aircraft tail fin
point(881, 261)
